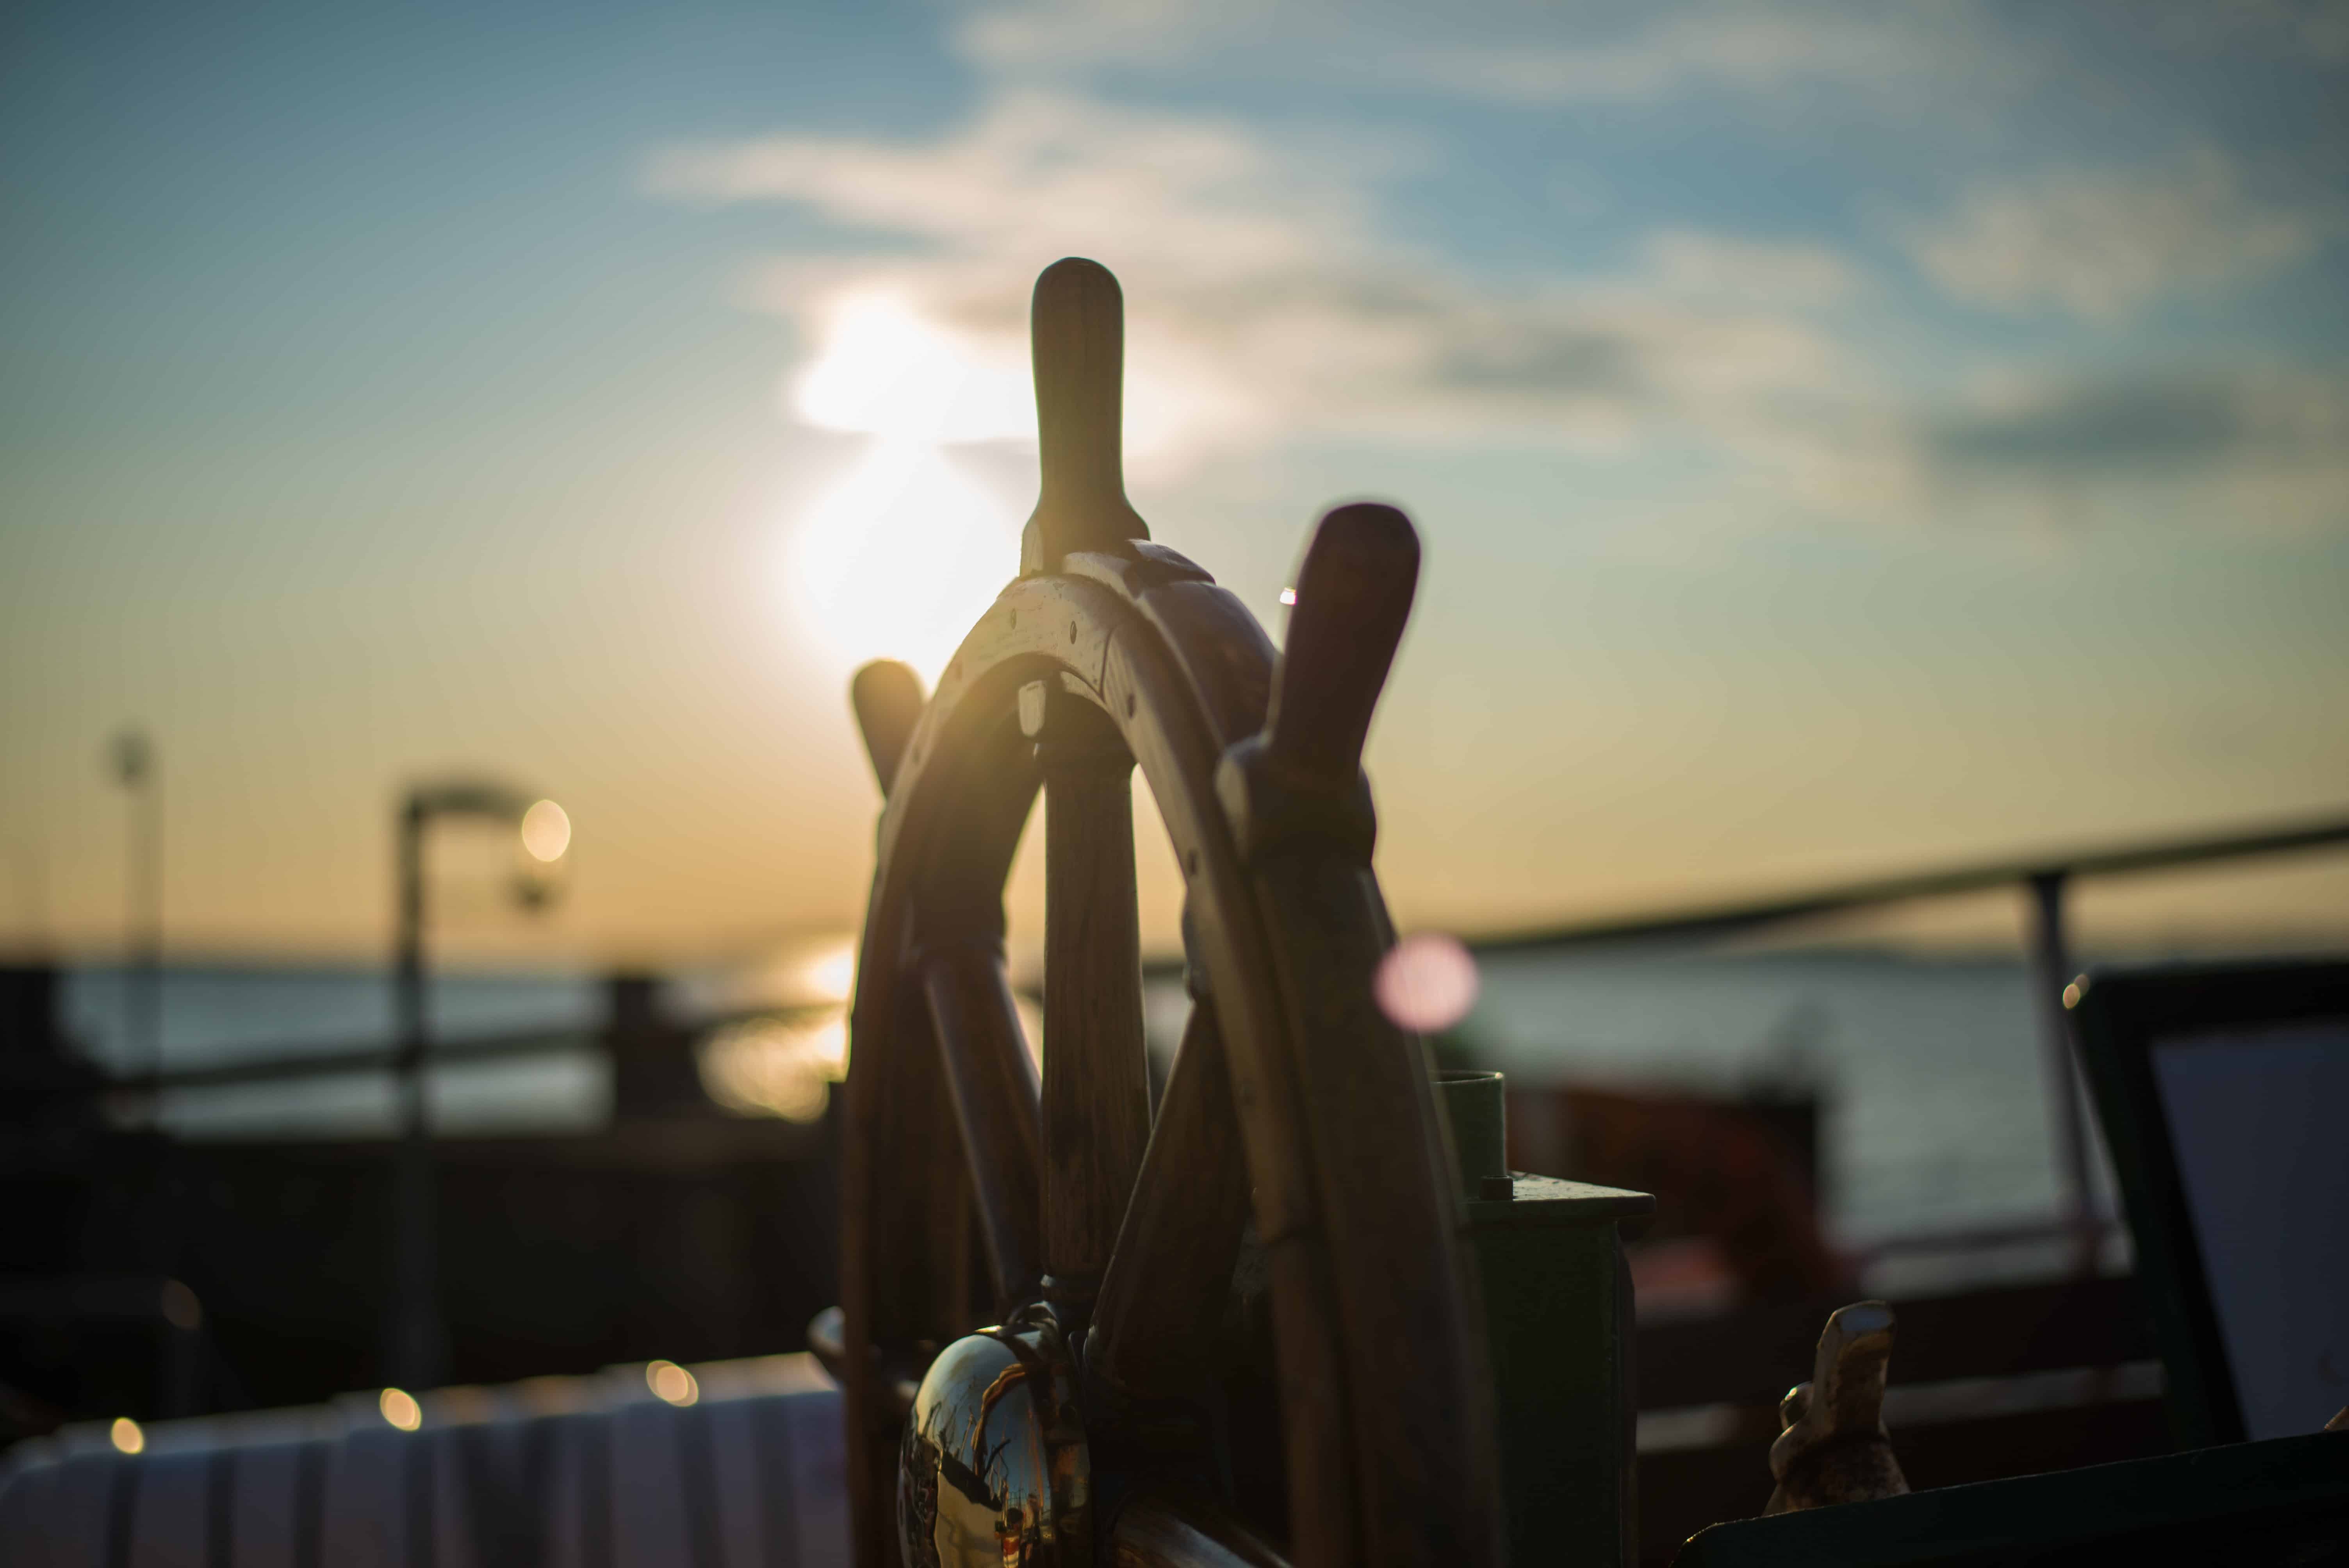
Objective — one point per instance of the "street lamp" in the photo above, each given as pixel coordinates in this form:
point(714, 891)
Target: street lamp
point(417, 1353)
point(135, 768)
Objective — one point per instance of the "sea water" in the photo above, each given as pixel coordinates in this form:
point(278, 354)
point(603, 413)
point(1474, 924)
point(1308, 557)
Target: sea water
point(1936, 1091)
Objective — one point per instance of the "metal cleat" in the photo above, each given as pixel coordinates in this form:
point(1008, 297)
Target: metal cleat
point(1835, 1448)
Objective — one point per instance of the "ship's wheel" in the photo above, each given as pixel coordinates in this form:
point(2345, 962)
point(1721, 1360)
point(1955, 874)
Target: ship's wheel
point(1120, 1401)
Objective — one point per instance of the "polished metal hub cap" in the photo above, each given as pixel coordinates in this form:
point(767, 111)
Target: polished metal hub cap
point(994, 1468)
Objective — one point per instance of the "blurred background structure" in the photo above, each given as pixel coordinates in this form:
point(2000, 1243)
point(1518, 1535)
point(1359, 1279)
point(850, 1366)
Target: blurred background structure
point(1849, 444)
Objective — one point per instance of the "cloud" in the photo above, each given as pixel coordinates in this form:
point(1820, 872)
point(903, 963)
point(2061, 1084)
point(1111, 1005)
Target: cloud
point(1265, 301)
point(1495, 51)
point(2246, 447)
point(1271, 300)
point(2315, 29)
point(2103, 244)
point(2146, 423)
point(1736, 47)
point(1780, 272)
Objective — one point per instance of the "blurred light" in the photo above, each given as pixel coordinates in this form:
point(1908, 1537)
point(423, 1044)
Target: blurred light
point(545, 831)
point(126, 1435)
point(1031, 1026)
point(400, 1408)
point(1289, 595)
point(181, 1310)
point(884, 367)
point(900, 557)
point(1426, 982)
point(672, 1382)
point(833, 976)
point(883, 371)
point(772, 1067)
point(2072, 995)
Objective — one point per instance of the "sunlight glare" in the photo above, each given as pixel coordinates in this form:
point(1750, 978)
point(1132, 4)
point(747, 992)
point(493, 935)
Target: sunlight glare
point(900, 558)
point(882, 368)
point(776, 1066)
point(883, 371)
point(831, 975)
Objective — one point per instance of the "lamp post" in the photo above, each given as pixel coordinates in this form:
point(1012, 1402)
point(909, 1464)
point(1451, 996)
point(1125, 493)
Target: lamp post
point(416, 1348)
point(136, 770)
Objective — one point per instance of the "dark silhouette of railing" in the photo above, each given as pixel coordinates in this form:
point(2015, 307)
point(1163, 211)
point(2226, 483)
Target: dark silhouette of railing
point(2044, 877)
point(1706, 920)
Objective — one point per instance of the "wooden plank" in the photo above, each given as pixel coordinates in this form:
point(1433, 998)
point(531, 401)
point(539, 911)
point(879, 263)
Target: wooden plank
point(1161, 1310)
point(1754, 1355)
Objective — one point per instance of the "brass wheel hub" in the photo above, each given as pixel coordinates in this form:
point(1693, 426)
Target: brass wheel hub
point(994, 1468)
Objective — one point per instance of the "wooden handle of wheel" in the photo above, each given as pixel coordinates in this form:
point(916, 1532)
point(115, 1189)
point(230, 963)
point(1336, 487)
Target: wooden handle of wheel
point(1076, 329)
point(1353, 596)
point(887, 698)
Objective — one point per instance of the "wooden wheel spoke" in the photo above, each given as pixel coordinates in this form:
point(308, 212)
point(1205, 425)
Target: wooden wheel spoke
point(1096, 1076)
point(1159, 1318)
point(922, 1246)
point(991, 1082)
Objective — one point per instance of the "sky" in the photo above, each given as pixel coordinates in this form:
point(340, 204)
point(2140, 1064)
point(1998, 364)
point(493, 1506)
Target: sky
point(1845, 439)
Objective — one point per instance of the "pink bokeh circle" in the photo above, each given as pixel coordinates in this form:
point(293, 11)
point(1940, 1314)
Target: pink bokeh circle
point(1426, 982)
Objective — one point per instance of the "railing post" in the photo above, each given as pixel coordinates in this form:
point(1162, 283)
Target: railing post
point(2051, 971)
point(416, 1347)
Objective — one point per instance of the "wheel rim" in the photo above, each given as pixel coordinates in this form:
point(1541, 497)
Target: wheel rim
point(1289, 1086)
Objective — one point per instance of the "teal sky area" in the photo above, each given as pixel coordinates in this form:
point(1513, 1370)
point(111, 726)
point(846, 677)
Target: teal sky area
point(1846, 438)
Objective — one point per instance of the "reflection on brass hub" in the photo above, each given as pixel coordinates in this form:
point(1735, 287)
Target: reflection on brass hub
point(994, 1468)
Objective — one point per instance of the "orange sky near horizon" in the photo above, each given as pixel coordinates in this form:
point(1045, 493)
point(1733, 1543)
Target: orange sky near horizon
point(1844, 441)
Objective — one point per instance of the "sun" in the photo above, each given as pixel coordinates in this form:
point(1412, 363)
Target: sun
point(905, 550)
point(901, 557)
point(885, 371)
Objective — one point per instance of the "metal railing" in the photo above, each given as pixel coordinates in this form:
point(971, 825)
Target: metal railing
point(1715, 919)
point(2044, 877)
